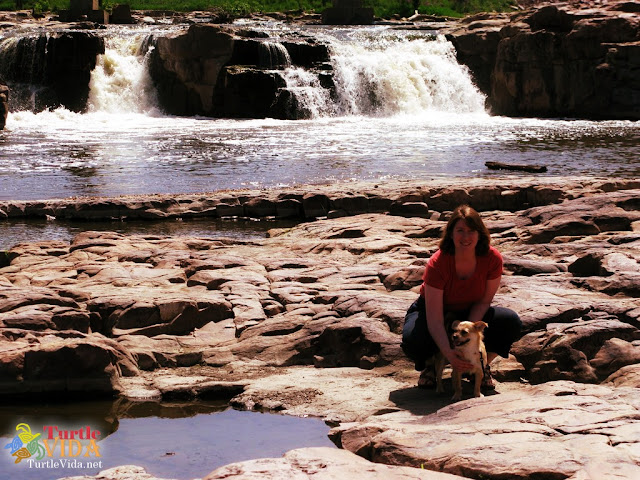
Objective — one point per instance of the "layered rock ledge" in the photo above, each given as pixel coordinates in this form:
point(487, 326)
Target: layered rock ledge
point(309, 202)
point(575, 60)
point(308, 321)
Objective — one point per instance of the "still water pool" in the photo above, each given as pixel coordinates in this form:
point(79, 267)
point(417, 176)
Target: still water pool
point(30, 230)
point(170, 440)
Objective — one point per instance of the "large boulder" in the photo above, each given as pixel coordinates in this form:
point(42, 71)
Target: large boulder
point(244, 92)
point(59, 63)
point(223, 71)
point(185, 67)
point(577, 351)
point(556, 61)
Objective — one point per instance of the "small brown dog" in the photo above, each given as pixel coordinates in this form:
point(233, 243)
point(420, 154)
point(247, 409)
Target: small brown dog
point(468, 338)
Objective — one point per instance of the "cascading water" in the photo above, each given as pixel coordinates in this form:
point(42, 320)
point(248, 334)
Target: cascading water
point(274, 55)
point(121, 83)
point(45, 70)
point(383, 76)
point(23, 69)
point(374, 72)
point(22, 59)
point(386, 73)
point(313, 100)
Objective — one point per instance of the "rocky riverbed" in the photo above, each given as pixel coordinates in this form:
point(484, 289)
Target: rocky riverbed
point(308, 321)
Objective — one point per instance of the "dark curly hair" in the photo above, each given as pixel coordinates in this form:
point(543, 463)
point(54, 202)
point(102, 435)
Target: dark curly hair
point(473, 221)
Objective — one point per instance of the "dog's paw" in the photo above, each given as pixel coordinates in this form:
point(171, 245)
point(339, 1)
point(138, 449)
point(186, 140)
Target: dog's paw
point(478, 395)
point(456, 397)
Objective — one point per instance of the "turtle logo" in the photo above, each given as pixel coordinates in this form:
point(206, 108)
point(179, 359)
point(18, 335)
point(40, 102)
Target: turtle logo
point(25, 444)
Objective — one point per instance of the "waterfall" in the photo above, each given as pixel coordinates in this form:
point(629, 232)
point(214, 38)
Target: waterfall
point(23, 59)
point(389, 73)
point(273, 55)
point(121, 83)
point(312, 99)
point(23, 67)
point(374, 71)
point(406, 76)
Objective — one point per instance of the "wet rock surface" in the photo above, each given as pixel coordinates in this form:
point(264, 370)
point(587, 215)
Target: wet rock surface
point(308, 321)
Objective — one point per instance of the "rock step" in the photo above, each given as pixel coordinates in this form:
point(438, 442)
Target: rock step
point(421, 199)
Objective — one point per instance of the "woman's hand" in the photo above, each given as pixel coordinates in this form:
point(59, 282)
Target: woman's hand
point(457, 360)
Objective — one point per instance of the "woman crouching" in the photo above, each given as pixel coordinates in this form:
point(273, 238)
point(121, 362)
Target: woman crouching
point(462, 277)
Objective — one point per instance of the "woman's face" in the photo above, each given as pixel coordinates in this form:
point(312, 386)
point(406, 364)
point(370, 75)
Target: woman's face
point(464, 237)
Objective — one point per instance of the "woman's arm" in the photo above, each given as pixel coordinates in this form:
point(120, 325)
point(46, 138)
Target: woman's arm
point(435, 324)
point(480, 308)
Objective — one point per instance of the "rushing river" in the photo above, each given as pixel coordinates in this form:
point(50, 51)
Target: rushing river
point(426, 121)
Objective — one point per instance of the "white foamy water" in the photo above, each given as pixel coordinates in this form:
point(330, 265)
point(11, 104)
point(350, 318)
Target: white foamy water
point(384, 73)
point(308, 91)
point(121, 82)
point(402, 75)
point(274, 54)
point(403, 109)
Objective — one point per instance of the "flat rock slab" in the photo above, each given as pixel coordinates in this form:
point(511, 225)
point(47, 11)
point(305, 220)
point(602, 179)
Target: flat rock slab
point(123, 472)
point(556, 430)
point(320, 463)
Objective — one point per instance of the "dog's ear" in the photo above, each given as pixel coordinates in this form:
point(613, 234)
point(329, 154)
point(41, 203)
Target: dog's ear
point(480, 326)
point(455, 324)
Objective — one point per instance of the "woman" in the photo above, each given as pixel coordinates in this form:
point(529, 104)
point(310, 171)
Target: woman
point(461, 277)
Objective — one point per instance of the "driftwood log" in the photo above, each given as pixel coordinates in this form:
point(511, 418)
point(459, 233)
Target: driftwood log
point(522, 168)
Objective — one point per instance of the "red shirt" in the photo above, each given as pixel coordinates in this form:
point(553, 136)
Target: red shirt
point(461, 294)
